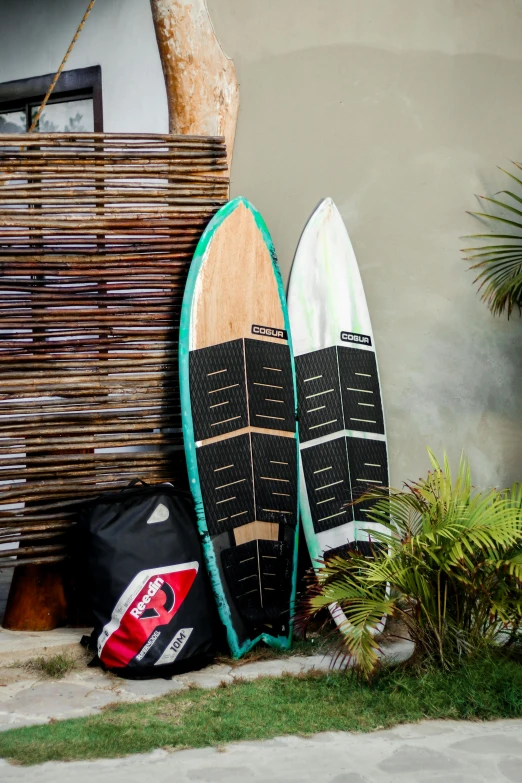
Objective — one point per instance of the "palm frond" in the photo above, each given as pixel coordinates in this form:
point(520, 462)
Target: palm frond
point(446, 558)
point(509, 174)
point(499, 266)
point(502, 204)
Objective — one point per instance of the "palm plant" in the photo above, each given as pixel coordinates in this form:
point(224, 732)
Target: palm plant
point(447, 561)
point(498, 258)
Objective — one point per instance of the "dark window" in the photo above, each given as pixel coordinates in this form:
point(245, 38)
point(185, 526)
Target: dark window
point(75, 104)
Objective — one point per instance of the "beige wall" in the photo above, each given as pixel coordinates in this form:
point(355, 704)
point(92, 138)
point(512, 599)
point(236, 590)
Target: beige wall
point(398, 109)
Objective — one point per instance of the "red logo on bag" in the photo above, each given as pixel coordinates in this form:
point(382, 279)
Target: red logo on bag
point(151, 600)
point(144, 612)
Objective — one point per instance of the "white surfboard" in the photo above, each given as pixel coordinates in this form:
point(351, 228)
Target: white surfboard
point(341, 423)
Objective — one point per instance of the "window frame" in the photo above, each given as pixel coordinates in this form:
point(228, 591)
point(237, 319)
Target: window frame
point(23, 94)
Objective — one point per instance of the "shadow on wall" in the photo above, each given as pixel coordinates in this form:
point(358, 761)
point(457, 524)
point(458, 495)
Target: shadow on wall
point(401, 142)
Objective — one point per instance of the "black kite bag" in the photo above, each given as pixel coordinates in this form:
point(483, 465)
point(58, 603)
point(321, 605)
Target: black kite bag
point(150, 599)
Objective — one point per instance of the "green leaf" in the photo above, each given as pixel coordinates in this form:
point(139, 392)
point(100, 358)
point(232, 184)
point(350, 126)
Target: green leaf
point(499, 265)
point(453, 574)
point(501, 204)
point(498, 219)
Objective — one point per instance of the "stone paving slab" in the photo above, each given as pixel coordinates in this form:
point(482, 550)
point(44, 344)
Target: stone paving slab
point(29, 700)
point(22, 645)
point(428, 752)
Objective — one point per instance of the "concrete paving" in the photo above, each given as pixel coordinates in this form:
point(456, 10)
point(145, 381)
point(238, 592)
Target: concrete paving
point(428, 752)
point(27, 700)
point(22, 645)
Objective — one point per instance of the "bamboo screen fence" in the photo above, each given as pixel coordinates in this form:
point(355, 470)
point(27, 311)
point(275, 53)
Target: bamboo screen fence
point(96, 236)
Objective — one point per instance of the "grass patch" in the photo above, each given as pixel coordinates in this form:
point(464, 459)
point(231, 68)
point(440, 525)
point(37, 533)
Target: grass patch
point(53, 666)
point(269, 707)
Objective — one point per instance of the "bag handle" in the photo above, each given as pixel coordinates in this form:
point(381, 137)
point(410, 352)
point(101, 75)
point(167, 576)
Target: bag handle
point(133, 483)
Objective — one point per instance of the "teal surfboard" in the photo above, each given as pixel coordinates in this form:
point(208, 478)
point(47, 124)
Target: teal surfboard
point(238, 404)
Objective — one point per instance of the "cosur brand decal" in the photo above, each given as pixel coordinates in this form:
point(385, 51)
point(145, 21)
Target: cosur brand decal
point(144, 613)
point(269, 331)
point(353, 337)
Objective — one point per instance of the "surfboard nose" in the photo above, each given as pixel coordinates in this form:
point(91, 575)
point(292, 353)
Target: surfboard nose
point(325, 212)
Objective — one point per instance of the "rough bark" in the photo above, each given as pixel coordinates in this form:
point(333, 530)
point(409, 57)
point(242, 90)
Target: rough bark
point(202, 87)
point(36, 599)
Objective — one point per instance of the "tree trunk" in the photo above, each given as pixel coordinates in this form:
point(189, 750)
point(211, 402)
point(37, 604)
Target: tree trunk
point(36, 599)
point(202, 88)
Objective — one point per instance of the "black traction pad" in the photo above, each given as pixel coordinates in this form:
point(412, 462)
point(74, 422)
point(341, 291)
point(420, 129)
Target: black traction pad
point(368, 468)
point(217, 389)
point(275, 478)
point(241, 382)
point(328, 484)
point(259, 577)
point(230, 469)
point(270, 385)
point(225, 477)
point(320, 409)
point(339, 471)
point(338, 388)
point(360, 390)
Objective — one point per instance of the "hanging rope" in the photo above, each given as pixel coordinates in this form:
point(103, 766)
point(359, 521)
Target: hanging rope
point(60, 69)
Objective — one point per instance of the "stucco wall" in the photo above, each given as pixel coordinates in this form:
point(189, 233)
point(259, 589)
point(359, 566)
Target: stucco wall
point(398, 109)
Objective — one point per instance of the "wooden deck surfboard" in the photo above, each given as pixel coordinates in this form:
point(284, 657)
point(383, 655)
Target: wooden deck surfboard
point(341, 423)
point(238, 402)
